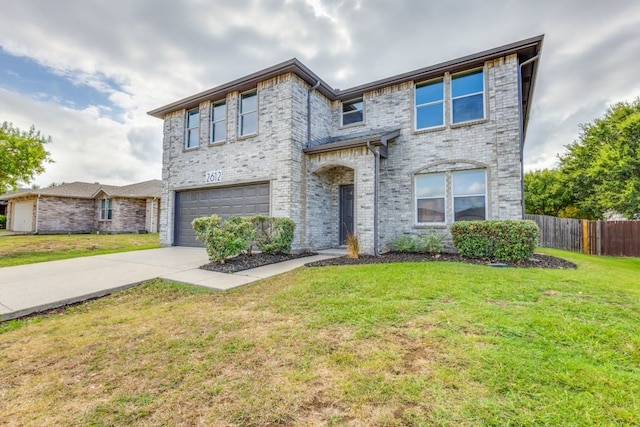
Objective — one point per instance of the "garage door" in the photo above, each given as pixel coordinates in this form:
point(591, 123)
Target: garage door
point(23, 216)
point(240, 200)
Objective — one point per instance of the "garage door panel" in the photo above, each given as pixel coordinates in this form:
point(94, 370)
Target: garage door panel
point(241, 200)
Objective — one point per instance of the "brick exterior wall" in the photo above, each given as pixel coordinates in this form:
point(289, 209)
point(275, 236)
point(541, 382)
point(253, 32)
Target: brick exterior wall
point(304, 187)
point(53, 215)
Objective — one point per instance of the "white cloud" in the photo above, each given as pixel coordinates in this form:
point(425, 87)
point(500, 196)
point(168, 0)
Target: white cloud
point(146, 53)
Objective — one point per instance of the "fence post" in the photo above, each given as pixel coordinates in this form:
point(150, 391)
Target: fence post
point(585, 236)
point(599, 236)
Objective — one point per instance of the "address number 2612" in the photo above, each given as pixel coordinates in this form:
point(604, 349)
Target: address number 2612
point(213, 176)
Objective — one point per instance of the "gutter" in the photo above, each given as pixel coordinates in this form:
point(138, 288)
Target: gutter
point(521, 125)
point(376, 187)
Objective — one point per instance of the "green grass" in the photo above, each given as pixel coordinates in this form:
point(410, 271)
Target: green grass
point(389, 344)
point(29, 249)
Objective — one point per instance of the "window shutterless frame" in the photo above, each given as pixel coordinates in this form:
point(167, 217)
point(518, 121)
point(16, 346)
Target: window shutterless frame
point(430, 198)
point(106, 209)
point(352, 112)
point(429, 105)
point(467, 96)
point(469, 194)
point(218, 127)
point(192, 135)
point(248, 120)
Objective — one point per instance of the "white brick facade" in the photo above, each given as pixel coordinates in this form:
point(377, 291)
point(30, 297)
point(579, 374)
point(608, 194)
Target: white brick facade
point(304, 185)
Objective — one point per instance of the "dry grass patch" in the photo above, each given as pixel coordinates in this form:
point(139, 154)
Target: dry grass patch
point(28, 249)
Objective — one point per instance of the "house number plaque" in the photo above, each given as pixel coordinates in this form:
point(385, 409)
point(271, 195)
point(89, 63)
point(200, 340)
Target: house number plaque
point(212, 177)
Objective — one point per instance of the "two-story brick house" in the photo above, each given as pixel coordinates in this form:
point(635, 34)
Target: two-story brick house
point(403, 155)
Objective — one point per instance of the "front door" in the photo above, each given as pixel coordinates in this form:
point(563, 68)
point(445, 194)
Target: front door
point(346, 212)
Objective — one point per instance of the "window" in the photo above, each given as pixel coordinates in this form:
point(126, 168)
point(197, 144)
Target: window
point(105, 209)
point(469, 195)
point(430, 196)
point(352, 112)
point(467, 97)
point(248, 113)
point(193, 128)
point(218, 122)
point(429, 105)
point(467, 191)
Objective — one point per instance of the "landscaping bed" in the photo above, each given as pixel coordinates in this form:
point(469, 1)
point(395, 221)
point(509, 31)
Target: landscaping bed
point(245, 262)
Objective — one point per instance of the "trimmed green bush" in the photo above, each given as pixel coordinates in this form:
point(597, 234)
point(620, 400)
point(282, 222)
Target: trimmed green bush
point(224, 239)
point(3, 221)
point(273, 235)
point(432, 243)
point(496, 240)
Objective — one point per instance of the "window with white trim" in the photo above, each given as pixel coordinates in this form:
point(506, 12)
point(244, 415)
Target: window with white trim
point(248, 123)
point(430, 193)
point(106, 210)
point(192, 138)
point(429, 105)
point(467, 194)
point(218, 122)
point(352, 112)
point(469, 189)
point(467, 97)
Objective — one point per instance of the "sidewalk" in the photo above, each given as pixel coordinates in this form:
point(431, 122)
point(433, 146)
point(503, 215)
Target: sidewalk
point(32, 288)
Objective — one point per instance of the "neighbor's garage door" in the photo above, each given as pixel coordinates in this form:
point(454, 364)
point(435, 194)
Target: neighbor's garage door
point(241, 200)
point(23, 216)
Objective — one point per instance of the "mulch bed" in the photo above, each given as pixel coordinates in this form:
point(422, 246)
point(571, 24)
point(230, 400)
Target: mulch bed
point(536, 261)
point(245, 262)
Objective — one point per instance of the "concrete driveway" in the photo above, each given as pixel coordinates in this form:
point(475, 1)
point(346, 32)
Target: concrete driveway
point(33, 288)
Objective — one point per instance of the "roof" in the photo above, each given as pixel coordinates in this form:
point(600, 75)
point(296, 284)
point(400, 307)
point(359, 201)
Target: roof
point(87, 190)
point(525, 49)
point(377, 138)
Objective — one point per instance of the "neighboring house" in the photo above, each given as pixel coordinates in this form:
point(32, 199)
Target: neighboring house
point(81, 207)
point(404, 155)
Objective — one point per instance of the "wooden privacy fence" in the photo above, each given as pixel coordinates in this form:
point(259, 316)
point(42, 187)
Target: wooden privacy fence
point(621, 238)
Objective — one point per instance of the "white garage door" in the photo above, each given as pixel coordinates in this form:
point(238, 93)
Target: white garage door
point(242, 200)
point(23, 216)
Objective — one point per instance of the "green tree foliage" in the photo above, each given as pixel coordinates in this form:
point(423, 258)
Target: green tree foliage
point(22, 155)
point(599, 172)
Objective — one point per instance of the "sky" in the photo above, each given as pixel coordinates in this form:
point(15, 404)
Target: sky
point(85, 72)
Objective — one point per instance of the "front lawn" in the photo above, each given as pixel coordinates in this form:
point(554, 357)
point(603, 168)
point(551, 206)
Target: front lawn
point(28, 249)
point(388, 344)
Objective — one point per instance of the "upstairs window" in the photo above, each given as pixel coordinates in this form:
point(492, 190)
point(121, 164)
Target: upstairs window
point(193, 128)
point(429, 98)
point(106, 209)
point(218, 122)
point(248, 114)
point(352, 112)
point(469, 195)
point(467, 97)
point(430, 193)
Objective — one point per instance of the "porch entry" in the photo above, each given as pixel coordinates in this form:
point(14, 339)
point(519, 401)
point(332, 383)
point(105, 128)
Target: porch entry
point(346, 212)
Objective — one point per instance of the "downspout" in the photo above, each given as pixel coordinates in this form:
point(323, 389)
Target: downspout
point(37, 213)
point(309, 91)
point(376, 174)
point(521, 124)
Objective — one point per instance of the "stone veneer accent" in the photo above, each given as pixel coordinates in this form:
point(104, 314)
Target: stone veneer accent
point(305, 187)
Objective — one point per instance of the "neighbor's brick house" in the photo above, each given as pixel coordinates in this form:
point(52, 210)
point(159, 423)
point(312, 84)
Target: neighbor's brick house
point(403, 155)
point(81, 207)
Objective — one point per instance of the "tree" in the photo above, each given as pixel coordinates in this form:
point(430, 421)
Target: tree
point(22, 155)
point(601, 170)
point(598, 173)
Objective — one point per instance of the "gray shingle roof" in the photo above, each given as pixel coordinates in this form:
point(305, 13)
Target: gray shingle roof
point(87, 190)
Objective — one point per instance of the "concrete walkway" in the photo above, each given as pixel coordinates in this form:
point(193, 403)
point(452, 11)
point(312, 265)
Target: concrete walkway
point(33, 288)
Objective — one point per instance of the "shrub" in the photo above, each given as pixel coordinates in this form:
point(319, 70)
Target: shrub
point(3, 221)
point(353, 247)
point(273, 235)
point(223, 239)
point(496, 240)
point(432, 243)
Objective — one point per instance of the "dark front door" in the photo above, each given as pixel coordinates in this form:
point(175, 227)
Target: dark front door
point(346, 212)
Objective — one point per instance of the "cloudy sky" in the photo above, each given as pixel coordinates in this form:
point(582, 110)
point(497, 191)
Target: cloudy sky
point(86, 72)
